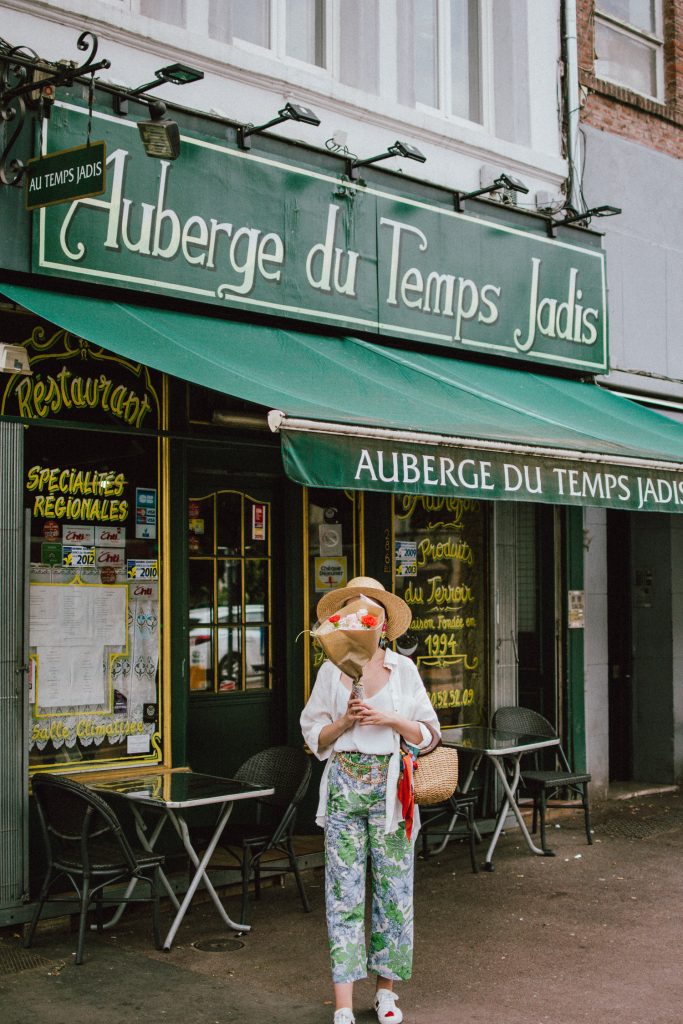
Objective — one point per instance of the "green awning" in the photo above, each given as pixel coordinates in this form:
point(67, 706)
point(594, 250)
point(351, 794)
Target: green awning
point(358, 415)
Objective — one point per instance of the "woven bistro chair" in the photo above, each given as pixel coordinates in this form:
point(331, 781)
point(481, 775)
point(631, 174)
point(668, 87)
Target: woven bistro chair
point(85, 845)
point(441, 821)
point(270, 829)
point(545, 782)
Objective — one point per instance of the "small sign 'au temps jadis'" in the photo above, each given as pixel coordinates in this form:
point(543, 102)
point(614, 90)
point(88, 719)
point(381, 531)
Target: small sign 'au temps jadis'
point(66, 175)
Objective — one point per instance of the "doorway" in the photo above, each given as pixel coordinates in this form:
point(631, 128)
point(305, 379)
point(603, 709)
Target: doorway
point(620, 645)
point(539, 573)
point(234, 584)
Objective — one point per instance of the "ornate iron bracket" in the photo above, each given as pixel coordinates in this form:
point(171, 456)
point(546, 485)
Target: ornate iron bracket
point(28, 81)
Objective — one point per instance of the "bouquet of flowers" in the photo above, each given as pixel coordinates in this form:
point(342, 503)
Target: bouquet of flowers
point(350, 637)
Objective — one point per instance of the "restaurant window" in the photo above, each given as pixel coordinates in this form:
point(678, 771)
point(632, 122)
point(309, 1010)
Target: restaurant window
point(93, 508)
point(230, 638)
point(440, 552)
point(332, 555)
point(629, 44)
point(439, 56)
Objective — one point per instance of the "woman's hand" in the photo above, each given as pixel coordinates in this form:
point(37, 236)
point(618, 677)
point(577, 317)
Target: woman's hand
point(365, 714)
point(410, 731)
point(335, 729)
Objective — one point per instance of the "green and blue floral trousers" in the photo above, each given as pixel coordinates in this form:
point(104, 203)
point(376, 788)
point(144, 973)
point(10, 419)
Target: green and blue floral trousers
point(356, 814)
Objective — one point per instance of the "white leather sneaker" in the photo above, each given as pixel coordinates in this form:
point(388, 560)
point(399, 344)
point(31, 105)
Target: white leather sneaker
point(344, 1016)
point(385, 1007)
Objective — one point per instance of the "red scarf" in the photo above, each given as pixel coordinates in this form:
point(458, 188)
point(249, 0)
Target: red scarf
point(405, 792)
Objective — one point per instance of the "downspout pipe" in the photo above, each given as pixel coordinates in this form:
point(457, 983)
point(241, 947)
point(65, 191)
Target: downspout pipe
point(572, 102)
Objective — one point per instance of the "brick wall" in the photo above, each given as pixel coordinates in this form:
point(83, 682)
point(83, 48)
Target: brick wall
point(617, 110)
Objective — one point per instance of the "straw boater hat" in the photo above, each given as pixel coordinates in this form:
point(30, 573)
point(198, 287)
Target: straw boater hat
point(398, 613)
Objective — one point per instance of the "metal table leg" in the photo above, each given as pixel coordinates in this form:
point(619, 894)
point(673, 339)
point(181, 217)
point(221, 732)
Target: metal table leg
point(465, 788)
point(147, 844)
point(510, 803)
point(200, 874)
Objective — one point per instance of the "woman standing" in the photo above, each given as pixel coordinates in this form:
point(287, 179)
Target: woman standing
point(359, 805)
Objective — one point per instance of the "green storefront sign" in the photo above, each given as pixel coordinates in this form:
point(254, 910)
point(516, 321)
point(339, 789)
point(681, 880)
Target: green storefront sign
point(367, 464)
point(243, 231)
point(62, 177)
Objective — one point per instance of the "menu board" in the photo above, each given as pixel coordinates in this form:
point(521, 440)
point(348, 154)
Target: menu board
point(73, 628)
point(440, 570)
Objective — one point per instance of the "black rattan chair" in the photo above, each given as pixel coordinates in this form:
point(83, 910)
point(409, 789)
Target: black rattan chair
point(440, 821)
point(86, 845)
point(288, 771)
point(545, 782)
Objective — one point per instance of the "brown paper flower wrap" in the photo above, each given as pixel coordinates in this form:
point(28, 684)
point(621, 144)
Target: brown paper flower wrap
point(350, 649)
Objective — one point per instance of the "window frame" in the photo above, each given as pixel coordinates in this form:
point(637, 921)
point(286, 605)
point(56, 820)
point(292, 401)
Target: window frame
point(213, 558)
point(444, 90)
point(653, 40)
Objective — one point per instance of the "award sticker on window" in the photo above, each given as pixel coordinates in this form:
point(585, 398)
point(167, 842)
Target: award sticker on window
point(258, 522)
point(405, 558)
point(330, 573)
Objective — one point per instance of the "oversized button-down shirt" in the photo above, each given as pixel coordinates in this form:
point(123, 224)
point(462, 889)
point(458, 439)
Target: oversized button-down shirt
point(328, 702)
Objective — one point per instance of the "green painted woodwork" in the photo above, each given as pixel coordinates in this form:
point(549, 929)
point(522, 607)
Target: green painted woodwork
point(355, 382)
point(246, 231)
point(575, 702)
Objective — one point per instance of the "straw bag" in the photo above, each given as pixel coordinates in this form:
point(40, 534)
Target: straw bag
point(435, 776)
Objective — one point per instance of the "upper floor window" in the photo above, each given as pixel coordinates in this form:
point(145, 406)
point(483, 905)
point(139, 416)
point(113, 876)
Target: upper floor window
point(439, 56)
point(466, 59)
point(290, 28)
point(629, 44)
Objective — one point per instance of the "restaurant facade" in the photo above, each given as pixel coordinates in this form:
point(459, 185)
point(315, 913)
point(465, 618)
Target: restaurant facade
point(250, 374)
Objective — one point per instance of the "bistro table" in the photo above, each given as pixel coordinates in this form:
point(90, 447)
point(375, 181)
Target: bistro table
point(173, 793)
point(505, 751)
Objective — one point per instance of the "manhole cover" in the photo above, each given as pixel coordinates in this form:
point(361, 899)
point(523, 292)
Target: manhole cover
point(12, 961)
point(218, 945)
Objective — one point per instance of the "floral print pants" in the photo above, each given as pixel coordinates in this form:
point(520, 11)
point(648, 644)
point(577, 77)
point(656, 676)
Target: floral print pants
point(356, 812)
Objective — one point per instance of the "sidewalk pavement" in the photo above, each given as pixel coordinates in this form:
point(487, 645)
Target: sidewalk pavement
point(591, 935)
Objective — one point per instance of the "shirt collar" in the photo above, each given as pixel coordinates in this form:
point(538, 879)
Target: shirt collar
point(390, 657)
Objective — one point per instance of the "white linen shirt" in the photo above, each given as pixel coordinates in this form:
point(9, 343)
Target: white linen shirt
point(328, 702)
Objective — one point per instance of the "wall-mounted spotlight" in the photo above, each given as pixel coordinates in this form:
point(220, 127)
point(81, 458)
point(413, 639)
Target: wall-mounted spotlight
point(160, 136)
point(503, 181)
point(290, 112)
point(399, 148)
point(583, 218)
point(175, 74)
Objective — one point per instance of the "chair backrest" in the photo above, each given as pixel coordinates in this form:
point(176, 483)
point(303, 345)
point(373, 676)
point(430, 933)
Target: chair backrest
point(286, 769)
point(525, 720)
point(80, 829)
point(522, 720)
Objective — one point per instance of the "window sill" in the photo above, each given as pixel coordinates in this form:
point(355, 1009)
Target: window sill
point(656, 108)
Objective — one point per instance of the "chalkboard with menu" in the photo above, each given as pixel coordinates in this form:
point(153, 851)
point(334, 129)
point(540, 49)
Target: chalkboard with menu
point(440, 570)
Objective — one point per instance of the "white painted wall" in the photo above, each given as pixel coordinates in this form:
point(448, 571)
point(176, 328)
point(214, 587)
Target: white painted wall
point(248, 84)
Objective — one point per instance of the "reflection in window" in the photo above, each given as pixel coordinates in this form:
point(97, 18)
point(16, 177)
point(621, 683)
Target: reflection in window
point(170, 11)
point(439, 60)
point(229, 592)
point(235, 19)
point(305, 31)
point(359, 45)
point(629, 44)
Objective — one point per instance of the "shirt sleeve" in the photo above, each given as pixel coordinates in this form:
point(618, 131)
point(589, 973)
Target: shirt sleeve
point(422, 710)
point(319, 711)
